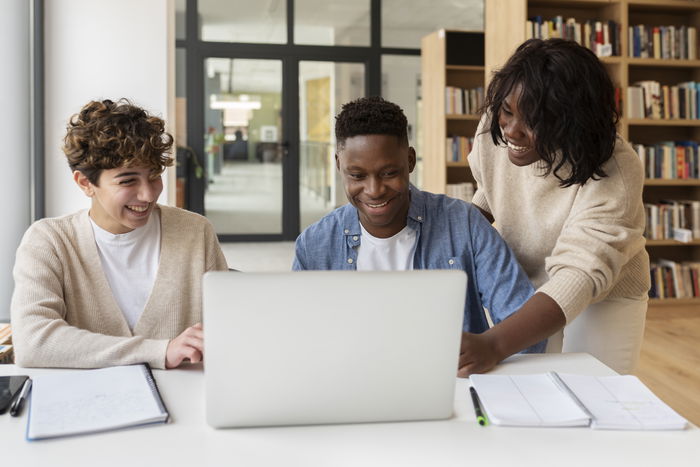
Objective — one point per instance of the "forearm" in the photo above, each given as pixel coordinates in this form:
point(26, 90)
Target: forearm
point(536, 320)
point(52, 343)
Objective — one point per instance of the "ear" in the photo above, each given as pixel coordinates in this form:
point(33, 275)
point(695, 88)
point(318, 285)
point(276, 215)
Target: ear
point(337, 162)
point(411, 159)
point(82, 181)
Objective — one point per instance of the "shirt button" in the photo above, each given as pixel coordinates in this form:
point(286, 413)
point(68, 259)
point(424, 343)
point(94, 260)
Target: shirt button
point(451, 262)
point(349, 260)
point(420, 218)
point(355, 237)
point(346, 231)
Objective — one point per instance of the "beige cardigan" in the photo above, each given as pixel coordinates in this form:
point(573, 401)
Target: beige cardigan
point(578, 244)
point(63, 312)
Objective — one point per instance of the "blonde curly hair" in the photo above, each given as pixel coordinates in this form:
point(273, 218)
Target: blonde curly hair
point(108, 135)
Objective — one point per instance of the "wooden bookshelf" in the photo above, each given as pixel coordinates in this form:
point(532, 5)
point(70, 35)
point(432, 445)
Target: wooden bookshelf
point(438, 72)
point(504, 29)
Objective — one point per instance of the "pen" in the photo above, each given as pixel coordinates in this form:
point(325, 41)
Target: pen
point(477, 407)
point(19, 402)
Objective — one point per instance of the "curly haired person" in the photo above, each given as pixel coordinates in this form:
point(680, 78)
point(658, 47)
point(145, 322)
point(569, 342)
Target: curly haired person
point(565, 191)
point(391, 225)
point(120, 282)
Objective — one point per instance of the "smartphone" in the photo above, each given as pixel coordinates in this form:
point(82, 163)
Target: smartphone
point(10, 386)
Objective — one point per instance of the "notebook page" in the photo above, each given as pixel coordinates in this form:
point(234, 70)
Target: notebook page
point(527, 400)
point(73, 402)
point(623, 403)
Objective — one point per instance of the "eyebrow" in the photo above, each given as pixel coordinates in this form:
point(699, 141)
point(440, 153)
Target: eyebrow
point(127, 174)
point(388, 166)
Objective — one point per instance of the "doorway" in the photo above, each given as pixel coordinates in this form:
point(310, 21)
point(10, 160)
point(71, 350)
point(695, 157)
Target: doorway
point(267, 165)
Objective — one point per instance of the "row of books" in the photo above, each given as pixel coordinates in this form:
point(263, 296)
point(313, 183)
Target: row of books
point(650, 99)
point(602, 37)
point(457, 148)
point(463, 101)
point(671, 279)
point(669, 42)
point(670, 159)
point(6, 355)
point(463, 191)
point(673, 220)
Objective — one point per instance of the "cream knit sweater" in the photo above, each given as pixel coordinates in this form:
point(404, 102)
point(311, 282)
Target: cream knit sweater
point(578, 244)
point(63, 311)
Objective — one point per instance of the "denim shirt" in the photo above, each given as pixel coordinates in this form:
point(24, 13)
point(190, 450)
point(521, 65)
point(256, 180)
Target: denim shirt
point(450, 234)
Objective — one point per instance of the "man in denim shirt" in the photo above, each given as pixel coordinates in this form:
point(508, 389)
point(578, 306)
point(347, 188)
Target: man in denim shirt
point(391, 225)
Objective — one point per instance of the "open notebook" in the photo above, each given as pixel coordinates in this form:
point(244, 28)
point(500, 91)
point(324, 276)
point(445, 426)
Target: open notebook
point(552, 399)
point(88, 401)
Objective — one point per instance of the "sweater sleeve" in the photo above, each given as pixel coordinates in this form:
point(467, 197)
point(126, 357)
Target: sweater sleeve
point(601, 235)
point(474, 158)
point(216, 261)
point(41, 335)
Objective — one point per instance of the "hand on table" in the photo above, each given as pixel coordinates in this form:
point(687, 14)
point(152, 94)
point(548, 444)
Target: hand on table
point(187, 346)
point(477, 354)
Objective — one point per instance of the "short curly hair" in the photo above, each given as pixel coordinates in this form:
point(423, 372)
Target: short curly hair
point(568, 100)
point(108, 135)
point(370, 116)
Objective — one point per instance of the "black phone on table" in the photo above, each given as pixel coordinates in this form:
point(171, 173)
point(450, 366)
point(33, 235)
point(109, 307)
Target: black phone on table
point(10, 386)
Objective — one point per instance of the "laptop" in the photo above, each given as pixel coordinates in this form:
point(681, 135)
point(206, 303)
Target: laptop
point(322, 347)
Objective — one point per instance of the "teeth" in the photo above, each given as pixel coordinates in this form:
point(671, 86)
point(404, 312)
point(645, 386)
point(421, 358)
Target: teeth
point(377, 205)
point(138, 208)
point(515, 148)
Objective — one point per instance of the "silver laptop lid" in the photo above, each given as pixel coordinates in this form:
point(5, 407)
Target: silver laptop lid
point(331, 346)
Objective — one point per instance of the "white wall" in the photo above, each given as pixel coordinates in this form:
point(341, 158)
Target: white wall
point(104, 49)
point(14, 127)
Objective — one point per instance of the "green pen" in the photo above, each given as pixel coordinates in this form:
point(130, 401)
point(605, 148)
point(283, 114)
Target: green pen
point(480, 417)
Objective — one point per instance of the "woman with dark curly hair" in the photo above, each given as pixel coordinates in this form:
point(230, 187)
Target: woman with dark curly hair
point(565, 192)
point(119, 283)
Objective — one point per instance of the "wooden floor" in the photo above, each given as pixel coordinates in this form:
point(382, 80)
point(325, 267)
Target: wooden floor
point(670, 360)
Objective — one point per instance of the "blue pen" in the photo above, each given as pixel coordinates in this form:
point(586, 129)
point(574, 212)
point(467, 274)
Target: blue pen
point(19, 402)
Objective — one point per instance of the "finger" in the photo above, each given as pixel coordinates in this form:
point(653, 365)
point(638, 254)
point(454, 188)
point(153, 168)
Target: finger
point(462, 373)
point(194, 355)
point(197, 326)
point(465, 359)
point(195, 332)
point(197, 343)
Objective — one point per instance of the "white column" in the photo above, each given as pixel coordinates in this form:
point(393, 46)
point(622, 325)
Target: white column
point(14, 124)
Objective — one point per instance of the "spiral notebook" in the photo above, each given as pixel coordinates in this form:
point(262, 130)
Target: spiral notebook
point(67, 403)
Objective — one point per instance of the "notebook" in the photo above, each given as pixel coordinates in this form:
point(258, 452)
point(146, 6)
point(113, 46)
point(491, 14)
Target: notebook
point(619, 402)
point(317, 347)
point(89, 401)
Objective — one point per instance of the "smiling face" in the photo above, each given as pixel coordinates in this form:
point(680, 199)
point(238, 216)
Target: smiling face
point(375, 171)
point(123, 199)
point(519, 137)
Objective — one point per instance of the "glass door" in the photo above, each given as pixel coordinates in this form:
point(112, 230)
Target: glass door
point(324, 87)
point(243, 145)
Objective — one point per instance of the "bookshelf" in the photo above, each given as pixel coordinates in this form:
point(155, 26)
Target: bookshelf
point(505, 28)
point(449, 59)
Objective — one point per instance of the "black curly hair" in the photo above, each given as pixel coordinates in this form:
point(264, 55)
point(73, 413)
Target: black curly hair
point(370, 116)
point(567, 100)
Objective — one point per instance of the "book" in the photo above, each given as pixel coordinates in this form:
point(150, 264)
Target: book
point(620, 402)
point(92, 401)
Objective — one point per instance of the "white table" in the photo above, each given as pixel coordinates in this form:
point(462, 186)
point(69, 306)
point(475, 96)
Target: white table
point(459, 441)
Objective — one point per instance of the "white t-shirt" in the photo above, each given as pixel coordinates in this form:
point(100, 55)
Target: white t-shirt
point(130, 262)
point(386, 254)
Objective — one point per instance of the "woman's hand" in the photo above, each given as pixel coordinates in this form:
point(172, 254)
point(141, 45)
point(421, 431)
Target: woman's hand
point(478, 354)
point(187, 346)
